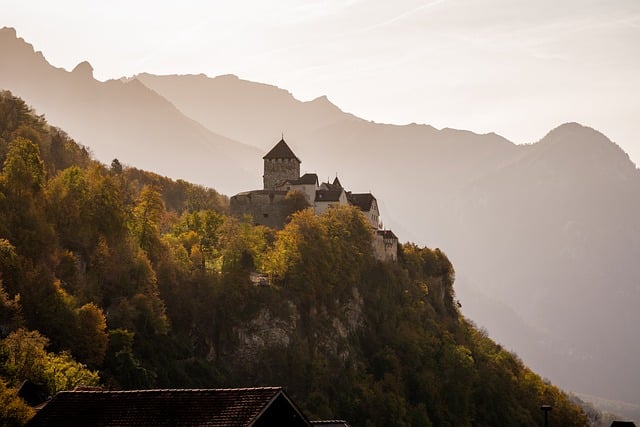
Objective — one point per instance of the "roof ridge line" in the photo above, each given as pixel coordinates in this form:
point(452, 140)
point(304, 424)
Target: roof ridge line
point(158, 390)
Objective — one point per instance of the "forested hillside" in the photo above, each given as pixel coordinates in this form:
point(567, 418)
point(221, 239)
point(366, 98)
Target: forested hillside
point(117, 277)
point(532, 229)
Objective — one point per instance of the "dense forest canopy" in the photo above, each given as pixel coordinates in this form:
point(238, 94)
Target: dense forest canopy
point(121, 278)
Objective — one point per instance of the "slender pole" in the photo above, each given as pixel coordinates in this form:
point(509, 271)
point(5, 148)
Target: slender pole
point(546, 409)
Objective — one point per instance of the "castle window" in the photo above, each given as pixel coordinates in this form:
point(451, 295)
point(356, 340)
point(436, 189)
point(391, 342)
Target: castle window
point(266, 215)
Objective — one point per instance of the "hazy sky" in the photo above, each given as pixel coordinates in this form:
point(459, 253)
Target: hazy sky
point(519, 68)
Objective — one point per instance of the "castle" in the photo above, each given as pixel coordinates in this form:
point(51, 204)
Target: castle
point(284, 189)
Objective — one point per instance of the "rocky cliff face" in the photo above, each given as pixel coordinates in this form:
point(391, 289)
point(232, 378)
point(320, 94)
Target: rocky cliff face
point(265, 330)
point(268, 330)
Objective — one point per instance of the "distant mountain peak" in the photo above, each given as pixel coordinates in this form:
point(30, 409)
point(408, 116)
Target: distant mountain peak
point(9, 32)
point(573, 143)
point(13, 45)
point(573, 128)
point(83, 69)
point(226, 77)
point(572, 125)
point(324, 103)
point(574, 136)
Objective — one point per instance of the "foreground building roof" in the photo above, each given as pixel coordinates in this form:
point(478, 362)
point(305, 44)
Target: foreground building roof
point(258, 407)
point(330, 423)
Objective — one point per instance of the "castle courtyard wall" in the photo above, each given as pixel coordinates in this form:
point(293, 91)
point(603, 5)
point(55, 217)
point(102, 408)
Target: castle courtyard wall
point(265, 207)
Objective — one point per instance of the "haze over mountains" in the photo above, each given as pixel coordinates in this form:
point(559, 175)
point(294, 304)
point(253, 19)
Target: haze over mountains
point(545, 238)
point(124, 120)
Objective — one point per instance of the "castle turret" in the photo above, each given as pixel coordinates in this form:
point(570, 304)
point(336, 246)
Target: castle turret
point(280, 164)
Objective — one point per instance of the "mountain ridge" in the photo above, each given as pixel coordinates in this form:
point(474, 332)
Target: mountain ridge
point(148, 122)
point(262, 105)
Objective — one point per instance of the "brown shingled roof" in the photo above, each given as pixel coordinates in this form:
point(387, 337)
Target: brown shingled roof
point(195, 407)
point(281, 151)
point(306, 179)
point(328, 195)
point(330, 423)
point(363, 201)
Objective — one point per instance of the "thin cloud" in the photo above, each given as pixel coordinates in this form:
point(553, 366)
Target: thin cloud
point(404, 15)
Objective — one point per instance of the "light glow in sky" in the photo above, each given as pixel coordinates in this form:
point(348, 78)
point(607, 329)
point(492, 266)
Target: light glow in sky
point(514, 67)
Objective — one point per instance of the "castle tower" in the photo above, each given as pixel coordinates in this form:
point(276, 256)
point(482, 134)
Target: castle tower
point(280, 164)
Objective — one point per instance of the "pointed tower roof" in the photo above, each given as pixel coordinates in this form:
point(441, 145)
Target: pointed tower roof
point(337, 183)
point(281, 151)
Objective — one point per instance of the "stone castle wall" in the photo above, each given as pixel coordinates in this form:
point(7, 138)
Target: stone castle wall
point(278, 170)
point(265, 207)
point(385, 249)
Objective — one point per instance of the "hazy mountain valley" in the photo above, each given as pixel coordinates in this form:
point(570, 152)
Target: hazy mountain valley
point(550, 229)
point(544, 237)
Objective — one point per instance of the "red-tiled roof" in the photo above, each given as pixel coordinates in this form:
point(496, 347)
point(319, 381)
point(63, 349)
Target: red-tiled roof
point(190, 407)
point(281, 151)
